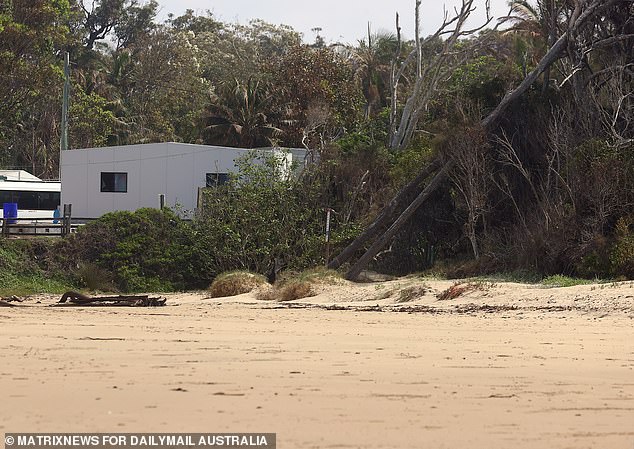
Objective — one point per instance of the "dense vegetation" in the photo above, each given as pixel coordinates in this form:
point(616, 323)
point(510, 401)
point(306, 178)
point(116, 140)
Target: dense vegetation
point(547, 187)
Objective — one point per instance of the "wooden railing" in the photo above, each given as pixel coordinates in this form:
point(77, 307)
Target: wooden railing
point(40, 227)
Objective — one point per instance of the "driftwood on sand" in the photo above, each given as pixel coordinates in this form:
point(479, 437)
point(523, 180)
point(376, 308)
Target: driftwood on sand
point(78, 299)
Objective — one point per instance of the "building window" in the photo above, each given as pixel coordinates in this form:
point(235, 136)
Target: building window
point(217, 179)
point(114, 182)
point(31, 200)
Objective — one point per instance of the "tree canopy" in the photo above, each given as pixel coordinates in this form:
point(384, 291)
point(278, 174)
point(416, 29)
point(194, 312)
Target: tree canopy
point(517, 132)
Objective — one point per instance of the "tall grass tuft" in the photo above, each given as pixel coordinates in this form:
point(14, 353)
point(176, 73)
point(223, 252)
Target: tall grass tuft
point(235, 283)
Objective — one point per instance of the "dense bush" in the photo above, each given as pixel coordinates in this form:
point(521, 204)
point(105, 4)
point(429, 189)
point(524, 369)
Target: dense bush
point(263, 219)
point(235, 283)
point(146, 250)
point(260, 216)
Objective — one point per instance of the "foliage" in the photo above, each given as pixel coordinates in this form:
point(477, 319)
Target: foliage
point(260, 215)
point(93, 277)
point(458, 289)
point(622, 253)
point(31, 34)
point(372, 58)
point(559, 280)
point(91, 123)
point(146, 250)
point(406, 163)
point(546, 191)
point(28, 266)
point(412, 293)
point(290, 291)
point(238, 116)
point(163, 93)
point(482, 80)
point(316, 91)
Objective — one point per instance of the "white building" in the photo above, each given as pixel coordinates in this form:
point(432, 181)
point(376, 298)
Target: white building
point(100, 180)
point(34, 198)
point(18, 175)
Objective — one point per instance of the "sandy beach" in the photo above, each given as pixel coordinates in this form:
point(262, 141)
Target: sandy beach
point(357, 365)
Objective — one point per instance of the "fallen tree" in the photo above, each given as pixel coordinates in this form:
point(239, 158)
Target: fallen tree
point(583, 11)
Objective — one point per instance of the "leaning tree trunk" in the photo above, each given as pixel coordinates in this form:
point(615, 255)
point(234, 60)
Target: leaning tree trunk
point(385, 216)
point(549, 58)
point(400, 221)
point(581, 14)
point(487, 123)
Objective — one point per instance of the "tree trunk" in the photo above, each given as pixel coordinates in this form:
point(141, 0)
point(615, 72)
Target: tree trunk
point(400, 221)
point(473, 238)
point(549, 58)
point(384, 217)
point(487, 123)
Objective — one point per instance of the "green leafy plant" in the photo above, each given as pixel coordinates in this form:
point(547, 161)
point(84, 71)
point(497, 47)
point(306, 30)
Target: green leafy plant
point(559, 280)
point(622, 254)
point(260, 216)
point(146, 250)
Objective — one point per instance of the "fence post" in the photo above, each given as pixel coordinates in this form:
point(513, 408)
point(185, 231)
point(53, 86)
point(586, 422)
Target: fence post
point(5, 227)
point(66, 219)
point(328, 212)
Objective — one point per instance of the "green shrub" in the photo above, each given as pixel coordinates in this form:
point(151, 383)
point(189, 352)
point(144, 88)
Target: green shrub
point(259, 216)
point(93, 277)
point(559, 280)
point(611, 257)
point(146, 250)
point(622, 253)
point(28, 266)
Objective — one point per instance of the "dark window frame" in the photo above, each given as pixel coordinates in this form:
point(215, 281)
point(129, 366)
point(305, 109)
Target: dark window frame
point(110, 186)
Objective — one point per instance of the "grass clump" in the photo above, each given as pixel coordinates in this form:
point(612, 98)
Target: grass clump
point(295, 290)
point(460, 288)
point(235, 283)
point(28, 266)
point(289, 291)
point(320, 275)
point(559, 280)
point(27, 285)
point(298, 286)
point(412, 293)
point(94, 278)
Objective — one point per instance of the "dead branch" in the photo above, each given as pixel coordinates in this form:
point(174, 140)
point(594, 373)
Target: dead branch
point(431, 74)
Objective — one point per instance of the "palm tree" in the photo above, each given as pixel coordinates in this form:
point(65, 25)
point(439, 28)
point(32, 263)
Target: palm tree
point(373, 58)
point(537, 24)
point(238, 116)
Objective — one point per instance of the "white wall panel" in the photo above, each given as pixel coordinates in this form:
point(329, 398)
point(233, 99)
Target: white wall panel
point(176, 170)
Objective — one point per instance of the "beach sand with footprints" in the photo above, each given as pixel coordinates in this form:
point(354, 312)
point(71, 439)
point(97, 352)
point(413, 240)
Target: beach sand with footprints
point(376, 365)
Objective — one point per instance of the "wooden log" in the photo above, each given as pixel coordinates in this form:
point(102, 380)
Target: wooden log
point(79, 299)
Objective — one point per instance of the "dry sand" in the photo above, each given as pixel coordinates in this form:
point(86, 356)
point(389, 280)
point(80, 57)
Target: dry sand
point(506, 365)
